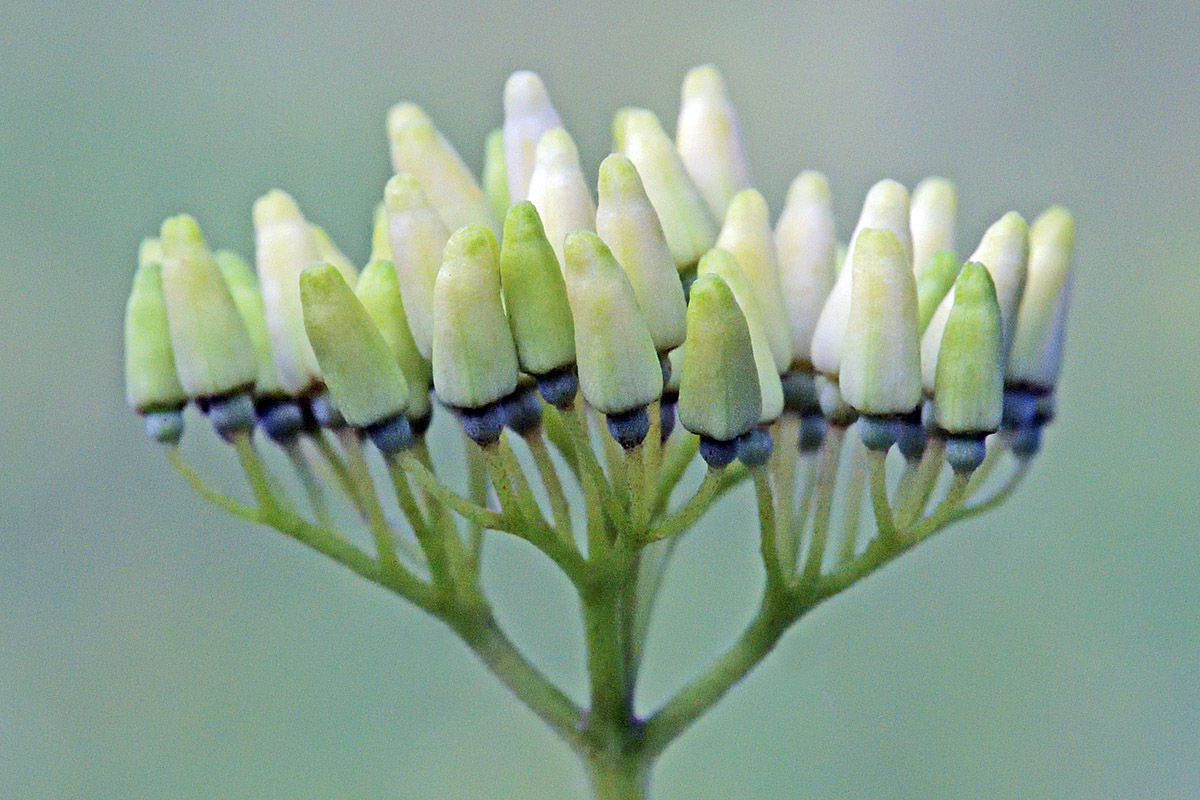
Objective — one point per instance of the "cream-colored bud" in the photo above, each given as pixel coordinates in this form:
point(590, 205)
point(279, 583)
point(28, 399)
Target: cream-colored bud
point(528, 114)
point(559, 191)
point(418, 237)
point(709, 139)
point(933, 217)
point(806, 245)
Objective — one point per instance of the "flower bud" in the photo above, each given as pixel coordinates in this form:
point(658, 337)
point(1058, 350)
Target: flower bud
point(934, 283)
point(747, 235)
point(626, 221)
point(418, 237)
point(719, 394)
point(528, 114)
point(284, 246)
point(722, 263)
point(709, 139)
point(806, 245)
point(618, 366)
point(474, 358)
point(362, 374)
point(686, 220)
point(1036, 355)
point(535, 294)
point(932, 220)
point(559, 190)
point(378, 290)
point(886, 207)
point(881, 355)
point(419, 149)
point(969, 385)
point(243, 286)
point(213, 354)
point(381, 245)
point(151, 384)
point(328, 252)
point(495, 174)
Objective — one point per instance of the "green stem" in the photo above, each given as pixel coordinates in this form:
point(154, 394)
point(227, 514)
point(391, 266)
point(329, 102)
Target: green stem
point(783, 469)
point(616, 775)
point(477, 490)
point(340, 471)
point(1002, 494)
point(316, 496)
point(559, 509)
point(766, 524)
point(691, 512)
point(943, 514)
point(356, 463)
point(248, 513)
point(526, 502)
point(256, 473)
point(911, 504)
point(589, 465)
point(674, 465)
point(431, 540)
point(831, 453)
point(852, 515)
point(884, 521)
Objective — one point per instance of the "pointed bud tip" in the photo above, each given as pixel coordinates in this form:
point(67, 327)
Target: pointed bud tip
point(808, 187)
point(274, 207)
point(149, 252)
point(617, 175)
point(403, 115)
point(181, 230)
point(524, 92)
point(1054, 225)
point(704, 80)
point(473, 242)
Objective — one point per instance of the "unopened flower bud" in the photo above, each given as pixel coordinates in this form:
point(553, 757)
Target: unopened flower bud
point(719, 394)
point(618, 366)
point(886, 207)
point(381, 245)
point(151, 384)
point(626, 221)
point(559, 190)
point(361, 372)
point(418, 238)
point(243, 286)
point(932, 220)
point(495, 173)
point(686, 220)
point(328, 252)
point(474, 358)
point(378, 290)
point(419, 149)
point(1036, 356)
point(934, 284)
point(213, 354)
point(881, 356)
point(284, 246)
point(722, 263)
point(709, 139)
point(805, 243)
point(969, 385)
point(528, 114)
point(747, 235)
point(535, 294)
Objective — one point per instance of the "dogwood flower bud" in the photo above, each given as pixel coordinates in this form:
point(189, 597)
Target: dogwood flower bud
point(709, 139)
point(495, 173)
point(419, 149)
point(969, 385)
point(626, 221)
point(932, 220)
point(805, 243)
point(418, 238)
point(528, 114)
point(934, 283)
point(151, 383)
point(243, 286)
point(328, 252)
point(1036, 356)
point(378, 289)
point(559, 190)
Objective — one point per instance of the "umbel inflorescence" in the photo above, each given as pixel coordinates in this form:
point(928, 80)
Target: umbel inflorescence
point(589, 347)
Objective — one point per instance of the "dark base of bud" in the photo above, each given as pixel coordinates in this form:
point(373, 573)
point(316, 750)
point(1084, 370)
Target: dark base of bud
point(420, 425)
point(812, 433)
point(164, 427)
point(912, 437)
point(965, 452)
point(664, 363)
point(523, 411)
point(326, 412)
point(878, 433)
point(231, 415)
point(754, 447)
point(558, 388)
point(629, 428)
point(1026, 442)
point(482, 425)
point(718, 454)
point(391, 435)
point(282, 420)
point(667, 418)
point(800, 392)
point(687, 277)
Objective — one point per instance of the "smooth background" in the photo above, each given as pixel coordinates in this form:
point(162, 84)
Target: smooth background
point(150, 647)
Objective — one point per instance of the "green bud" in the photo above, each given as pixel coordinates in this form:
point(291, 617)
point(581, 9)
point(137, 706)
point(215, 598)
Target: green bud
point(528, 114)
point(243, 286)
point(559, 190)
point(886, 207)
point(362, 374)
point(932, 220)
point(719, 395)
point(381, 245)
point(284, 246)
point(618, 366)
point(626, 221)
point(474, 358)
point(535, 294)
point(213, 353)
point(969, 387)
point(378, 290)
point(934, 283)
point(418, 238)
point(495, 174)
point(881, 355)
point(328, 252)
point(686, 220)
point(675, 358)
point(709, 139)
point(747, 234)
point(419, 149)
point(723, 264)
point(806, 246)
point(1036, 355)
point(151, 384)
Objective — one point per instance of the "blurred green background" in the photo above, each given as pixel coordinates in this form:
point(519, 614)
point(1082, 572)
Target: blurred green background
point(151, 647)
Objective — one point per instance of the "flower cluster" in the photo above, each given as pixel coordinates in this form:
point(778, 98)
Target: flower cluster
point(663, 300)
